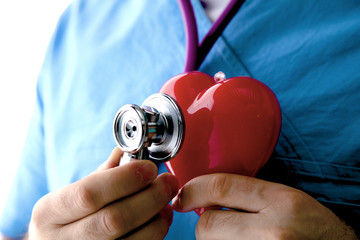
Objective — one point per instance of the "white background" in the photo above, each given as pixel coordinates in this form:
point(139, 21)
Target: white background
point(26, 27)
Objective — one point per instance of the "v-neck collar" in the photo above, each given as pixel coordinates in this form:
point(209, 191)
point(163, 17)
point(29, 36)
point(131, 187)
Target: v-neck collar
point(223, 50)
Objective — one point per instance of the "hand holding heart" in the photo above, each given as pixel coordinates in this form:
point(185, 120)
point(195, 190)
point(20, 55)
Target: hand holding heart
point(231, 125)
point(104, 206)
point(258, 210)
point(131, 201)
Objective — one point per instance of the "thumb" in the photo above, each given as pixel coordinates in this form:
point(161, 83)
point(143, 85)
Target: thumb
point(112, 161)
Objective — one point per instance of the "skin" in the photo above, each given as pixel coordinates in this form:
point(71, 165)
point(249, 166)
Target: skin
point(131, 203)
point(258, 210)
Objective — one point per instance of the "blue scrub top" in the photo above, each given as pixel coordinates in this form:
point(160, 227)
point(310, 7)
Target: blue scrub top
point(105, 54)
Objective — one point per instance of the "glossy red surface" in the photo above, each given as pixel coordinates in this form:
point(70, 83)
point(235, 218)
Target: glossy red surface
point(231, 126)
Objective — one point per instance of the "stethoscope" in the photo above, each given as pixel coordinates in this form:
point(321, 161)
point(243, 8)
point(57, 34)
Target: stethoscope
point(155, 130)
point(195, 52)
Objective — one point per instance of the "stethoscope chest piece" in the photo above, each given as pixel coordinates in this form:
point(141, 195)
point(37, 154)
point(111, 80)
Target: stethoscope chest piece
point(153, 131)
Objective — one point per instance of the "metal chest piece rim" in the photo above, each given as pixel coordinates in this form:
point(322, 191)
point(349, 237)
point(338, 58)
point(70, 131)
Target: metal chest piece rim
point(153, 131)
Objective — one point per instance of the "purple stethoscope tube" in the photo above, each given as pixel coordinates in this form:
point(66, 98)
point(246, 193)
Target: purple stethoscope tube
point(195, 52)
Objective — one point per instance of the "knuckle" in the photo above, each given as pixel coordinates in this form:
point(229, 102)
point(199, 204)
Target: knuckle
point(293, 200)
point(113, 223)
point(219, 187)
point(282, 234)
point(85, 199)
point(205, 224)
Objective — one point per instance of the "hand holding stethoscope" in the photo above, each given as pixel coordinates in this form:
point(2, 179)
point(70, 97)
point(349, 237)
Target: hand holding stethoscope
point(155, 130)
point(130, 202)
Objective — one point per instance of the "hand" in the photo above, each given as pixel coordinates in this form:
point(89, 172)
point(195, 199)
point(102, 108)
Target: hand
point(128, 201)
point(258, 210)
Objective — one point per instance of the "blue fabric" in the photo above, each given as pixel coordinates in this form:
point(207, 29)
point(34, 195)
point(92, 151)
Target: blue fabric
point(105, 54)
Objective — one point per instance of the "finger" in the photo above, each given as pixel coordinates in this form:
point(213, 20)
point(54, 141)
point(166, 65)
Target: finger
point(157, 228)
point(112, 161)
point(121, 217)
point(227, 190)
point(222, 224)
point(92, 193)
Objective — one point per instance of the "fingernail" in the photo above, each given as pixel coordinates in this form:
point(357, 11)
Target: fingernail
point(176, 202)
point(148, 171)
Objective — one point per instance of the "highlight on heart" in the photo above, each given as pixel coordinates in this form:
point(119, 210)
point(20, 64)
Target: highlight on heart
point(199, 124)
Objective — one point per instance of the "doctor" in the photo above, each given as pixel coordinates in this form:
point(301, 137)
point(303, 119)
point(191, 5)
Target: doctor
point(105, 54)
point(130, 202)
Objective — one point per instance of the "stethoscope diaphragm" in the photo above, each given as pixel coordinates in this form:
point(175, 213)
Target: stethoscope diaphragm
point(153, 131)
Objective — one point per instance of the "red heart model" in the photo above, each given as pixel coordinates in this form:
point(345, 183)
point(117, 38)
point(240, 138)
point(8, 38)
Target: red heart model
point(231, 126)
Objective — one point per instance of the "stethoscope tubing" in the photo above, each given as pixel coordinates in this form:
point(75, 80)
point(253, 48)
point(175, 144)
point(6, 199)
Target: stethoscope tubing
point(195, 52)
